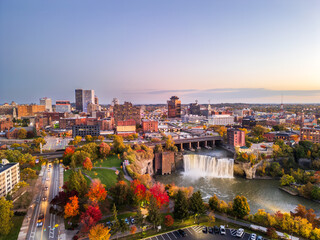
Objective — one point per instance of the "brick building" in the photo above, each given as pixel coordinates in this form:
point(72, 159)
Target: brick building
point(236, 137)
point(164, 163)
point(126, 111)
point(149, 126)
point(126, 127)
point(310, 134)
point(30, 110)
point(5, 124)
point(106, 123)
point(286, 136)
point(174, 107)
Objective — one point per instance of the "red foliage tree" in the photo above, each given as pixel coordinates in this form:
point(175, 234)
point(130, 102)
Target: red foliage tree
point(139, 190)
point(90, 217)
point(69, 150)
point(168, 221)
point(87, 164)
point(97, 192)
point(159, 192)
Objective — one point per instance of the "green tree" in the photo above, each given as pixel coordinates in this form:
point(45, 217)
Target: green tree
point(196, 205)
point(214, 203)
point(181, 206)
point(116, 223)
point(28, 173)
point(77, 182)
point(240, 207)
point(92, 149)
point(139, 217)
point(79, 156)
point(123, 226)
point(6, 215)
point(154, 215)
point(258, 131)
point(286, 180)
point(36, 142)
point(118, 145)
point(22, 133)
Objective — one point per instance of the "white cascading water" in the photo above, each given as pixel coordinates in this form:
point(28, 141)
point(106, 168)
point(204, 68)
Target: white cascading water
point(196, 166)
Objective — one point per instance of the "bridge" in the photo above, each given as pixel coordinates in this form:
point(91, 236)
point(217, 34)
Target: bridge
point(192, 143)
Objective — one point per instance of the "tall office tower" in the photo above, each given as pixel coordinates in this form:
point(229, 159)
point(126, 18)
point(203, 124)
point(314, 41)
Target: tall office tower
point(88, 97)
point(96, 100)
point(115, 101)
point(79, 99)
point(47, 102)
point(174, 107)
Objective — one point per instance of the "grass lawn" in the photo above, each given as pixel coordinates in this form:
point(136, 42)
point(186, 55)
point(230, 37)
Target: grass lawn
point(106, 176)
point(112, 161)
point(13, 235)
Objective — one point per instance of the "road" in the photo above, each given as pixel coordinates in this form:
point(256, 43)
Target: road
point(50, 227)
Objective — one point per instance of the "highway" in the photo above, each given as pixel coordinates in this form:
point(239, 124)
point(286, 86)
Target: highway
point(50, 226)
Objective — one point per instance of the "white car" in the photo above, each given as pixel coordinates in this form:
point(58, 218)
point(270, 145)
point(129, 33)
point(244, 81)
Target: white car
point(240, 232)
point(253, 236)
point(222, 230)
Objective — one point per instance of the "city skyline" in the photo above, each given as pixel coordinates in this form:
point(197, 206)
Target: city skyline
point(144, 52)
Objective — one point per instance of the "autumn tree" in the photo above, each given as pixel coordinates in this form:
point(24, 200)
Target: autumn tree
point(77, 140)
point(214, 202)
point(90, 217)
point(79, 156)
point(88, 138)
point(170, 144)
point(212, 218)
point(87, 164)
point(168, 220)
point(22, 133)
point(6, 215)
point(104, 149)
point(154, 215)
point(118, 145)
point(97, 191)
point(286, 180)
point(139, 191)
point(133, 229)
point(241, 207)
point(99, 232)
point(39, 141)
point(71, 209)
point(181, 206)
point(160, 194)
point(77, 182)
point(92, 149)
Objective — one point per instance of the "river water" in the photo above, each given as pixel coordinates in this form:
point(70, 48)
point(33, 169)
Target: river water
point(261, 194)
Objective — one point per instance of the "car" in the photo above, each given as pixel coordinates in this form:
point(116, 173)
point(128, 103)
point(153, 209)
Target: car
point(45, 188)
point(259, 238)
point(44, 199)
point(48, 179)
point(253, 236)
point(132, 221)
point(205, 229)
point(127, 221)
point(240, 232)
point(210, 230)
point(216, 229)
point(222, 230)
point(40, 220)
point(182, 233)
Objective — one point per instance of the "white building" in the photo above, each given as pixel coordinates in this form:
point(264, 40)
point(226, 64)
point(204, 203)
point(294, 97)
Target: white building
point(88, 97)
point(63, 106)
point(47, 102)
point(221, 120)
point(9, 176)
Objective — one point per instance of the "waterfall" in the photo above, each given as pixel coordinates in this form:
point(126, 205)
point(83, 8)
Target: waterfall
point(207, 166)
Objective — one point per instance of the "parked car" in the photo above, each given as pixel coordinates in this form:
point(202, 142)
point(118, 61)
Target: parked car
point(127, 221)
point(44, 199)
point(259, 238)
point(40, 220)
point(240, 232)
point(216, 229)
point(205, 229)
point(222, 230)
point(132, 221)
point(253, 236)
point(182, 233)
point(210, 230)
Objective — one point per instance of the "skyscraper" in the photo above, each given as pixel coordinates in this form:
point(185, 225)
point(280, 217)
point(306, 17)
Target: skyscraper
point(174, 107)
point(88, 97)
point(79, 99)
point(47, 102)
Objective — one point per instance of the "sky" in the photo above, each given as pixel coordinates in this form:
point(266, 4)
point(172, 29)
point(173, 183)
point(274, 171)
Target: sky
point(146, 51)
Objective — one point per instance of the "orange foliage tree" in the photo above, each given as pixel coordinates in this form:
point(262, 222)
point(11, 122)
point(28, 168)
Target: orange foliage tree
point(168, 221)
point(87, 164)
point(71, 209)
point(99, 232)
point(133, 229)
point(104, 149)
point(97, 192)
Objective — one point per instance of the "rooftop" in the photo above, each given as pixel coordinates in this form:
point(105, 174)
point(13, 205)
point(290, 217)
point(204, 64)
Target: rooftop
point(4, 167)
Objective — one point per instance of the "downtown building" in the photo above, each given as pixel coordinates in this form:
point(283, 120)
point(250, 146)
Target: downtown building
point(9, 177)
point(47, 102)
point(126, 111)
point(311, 134)
point(236, 137)
point(63, 106)
point(83, 98)
point(174, 107)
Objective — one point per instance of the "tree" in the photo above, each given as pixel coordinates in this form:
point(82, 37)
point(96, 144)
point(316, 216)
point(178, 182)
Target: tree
point(87, 164)
point(168, 220)
point(133, 229)
point(116, 223)
point(120, 193)
point(104, 149)
point(92, 149)
point(154, 215)
point(181, 206)
point(79, 156)
point(77, 182)
point(271, 232)
point(286, 180)
point(214, 202)
point(170, 145)
point(71, 209)
point(77, 140)
point(100, 138)
point(118, 145)
point(39, 141)
point(123, 226)
point(139, 217)
point(159, 193)
point(22, 133)
point(97, 191)
point(88, 138)
point(28, 173)
point(212, 218)
point(6, 215)
point(196, 205)
point(241, 207)
point(90, 217)
point(158, 148)
point(99, 232)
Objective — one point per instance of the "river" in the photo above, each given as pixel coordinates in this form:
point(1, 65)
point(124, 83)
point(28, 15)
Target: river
point(261, 194)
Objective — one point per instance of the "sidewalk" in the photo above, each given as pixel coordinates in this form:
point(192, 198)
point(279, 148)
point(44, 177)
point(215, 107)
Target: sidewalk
point(62, 230)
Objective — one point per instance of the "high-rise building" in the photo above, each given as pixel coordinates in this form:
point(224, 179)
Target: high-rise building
point(79, 99)
point(96, 100)
point(47, 102)
point(194, 108)
point(126, 111)
point(9, 176)
point(63, 106)
point(174, 107)
point(88, 97)
point(236, 137)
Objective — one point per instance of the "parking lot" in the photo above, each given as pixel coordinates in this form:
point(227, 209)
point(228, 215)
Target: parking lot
point(195, 232)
